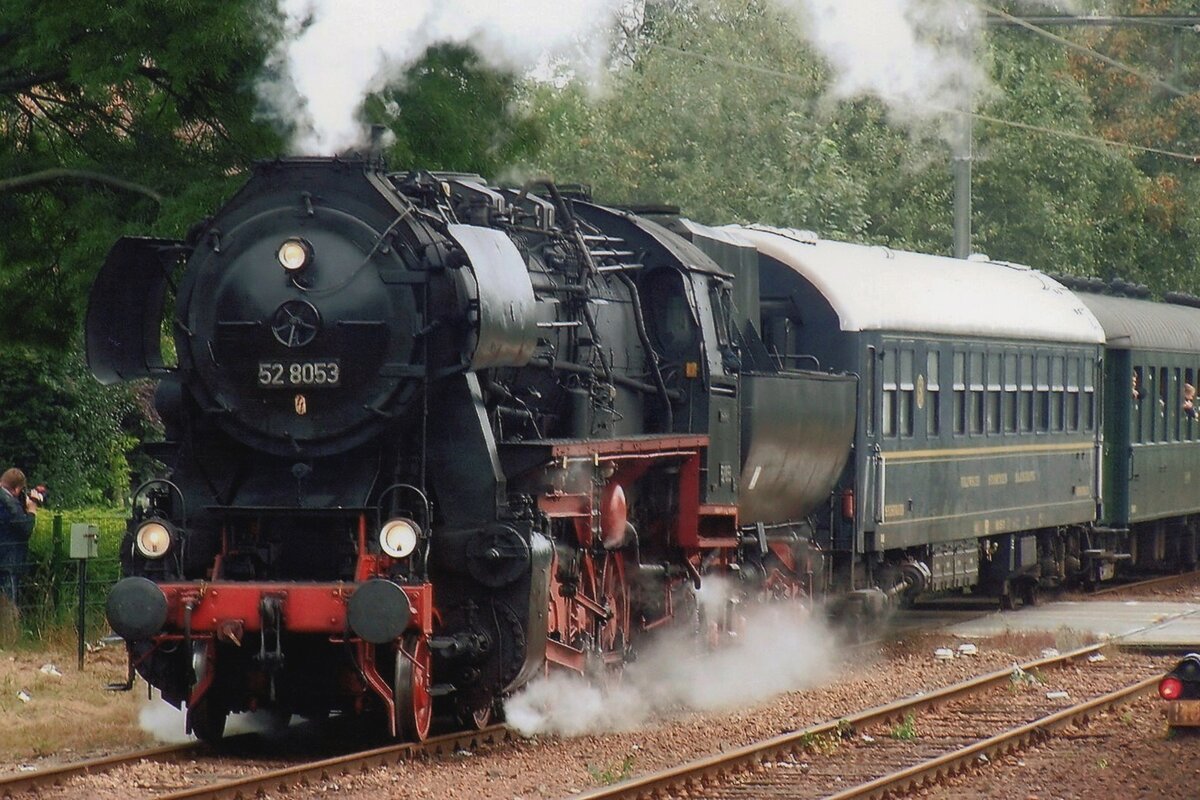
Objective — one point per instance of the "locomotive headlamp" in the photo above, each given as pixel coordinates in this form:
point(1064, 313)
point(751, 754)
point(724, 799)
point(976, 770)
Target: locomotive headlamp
point(398, 537)
point(294, 254)
point(153, 539)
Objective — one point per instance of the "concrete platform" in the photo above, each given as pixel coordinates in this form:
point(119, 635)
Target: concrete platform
point(1153, 624)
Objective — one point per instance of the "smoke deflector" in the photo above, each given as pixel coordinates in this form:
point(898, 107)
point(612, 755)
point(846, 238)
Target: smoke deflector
point(505, 331)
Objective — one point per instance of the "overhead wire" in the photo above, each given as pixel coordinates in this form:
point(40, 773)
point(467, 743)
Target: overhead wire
point(1191, 158)
point(1148, 77)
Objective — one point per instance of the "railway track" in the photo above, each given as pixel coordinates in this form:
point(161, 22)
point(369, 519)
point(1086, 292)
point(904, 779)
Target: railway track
point(19, 782)
point(283, 780)
point(901, 745)
point(279, 779)
point(1161, 582)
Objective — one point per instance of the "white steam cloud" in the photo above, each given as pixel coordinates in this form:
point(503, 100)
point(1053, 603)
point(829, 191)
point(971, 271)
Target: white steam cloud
point(163, 721)
point(918, 56)
point(780, 651)
point(167, 724)
point(336, 52)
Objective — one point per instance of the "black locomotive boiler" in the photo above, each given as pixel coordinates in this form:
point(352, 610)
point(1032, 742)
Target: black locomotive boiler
point(427, 438)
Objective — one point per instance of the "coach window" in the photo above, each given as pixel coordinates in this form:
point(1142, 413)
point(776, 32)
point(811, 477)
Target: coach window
point(1026, 396)
point(888, 420)
point(960, 393)
point(1042, 389)
point(907, 391)
point(1010, 393)
point(1177, 404)
point(1164, 413)
point(1139, 389)
point(1057, 390)
point(975, 400)
point(1150, 404)
point(1073, 365)
point(933, 409)
point(994, 360)
point(1188, 404)
point(870, 389)
point(1088, 409)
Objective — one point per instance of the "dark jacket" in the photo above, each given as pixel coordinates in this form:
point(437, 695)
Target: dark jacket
point(16, 524)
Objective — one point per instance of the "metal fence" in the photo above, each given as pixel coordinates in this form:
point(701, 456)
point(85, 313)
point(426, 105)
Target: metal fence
point(48, 587)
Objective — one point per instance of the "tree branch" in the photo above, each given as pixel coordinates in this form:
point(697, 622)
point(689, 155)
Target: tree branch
point(21, 83)
point(34, 179)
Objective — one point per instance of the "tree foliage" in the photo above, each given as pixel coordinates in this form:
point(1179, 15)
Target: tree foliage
point(728, 144)
point(64, 429)
point(450, 112)
point(156, 94)
point(726, 113)
point(139, 99)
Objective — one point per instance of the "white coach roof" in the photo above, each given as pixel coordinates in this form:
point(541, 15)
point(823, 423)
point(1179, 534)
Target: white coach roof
point(876, 288)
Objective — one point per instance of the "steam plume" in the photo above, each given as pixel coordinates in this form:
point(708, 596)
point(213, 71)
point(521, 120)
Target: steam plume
point(336, 52)
point(778, 652)
point(167, 724)
point(917, 56)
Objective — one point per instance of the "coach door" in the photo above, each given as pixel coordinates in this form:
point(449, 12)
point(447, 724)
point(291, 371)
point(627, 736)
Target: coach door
point(870, 463)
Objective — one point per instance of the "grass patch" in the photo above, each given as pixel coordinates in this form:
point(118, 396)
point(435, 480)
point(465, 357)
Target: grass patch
point(614, 773)
point(823, 743)
point(67, 715)
point(906, 731)
point(1068, 639)
point(1020, 678)
point(50, 588)
point(1021, 644)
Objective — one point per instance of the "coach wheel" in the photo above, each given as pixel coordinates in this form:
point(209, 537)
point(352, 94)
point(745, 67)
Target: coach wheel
point(1007, 601)
point(414, 704)
point(1029, 593)
point(207, 719)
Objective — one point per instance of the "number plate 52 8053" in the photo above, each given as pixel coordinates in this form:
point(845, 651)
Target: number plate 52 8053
point(290, 374)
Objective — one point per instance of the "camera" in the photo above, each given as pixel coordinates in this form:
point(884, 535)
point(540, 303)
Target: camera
point(38, 494)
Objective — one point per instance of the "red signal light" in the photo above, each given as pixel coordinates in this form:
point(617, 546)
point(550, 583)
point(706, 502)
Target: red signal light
point(1170, 688)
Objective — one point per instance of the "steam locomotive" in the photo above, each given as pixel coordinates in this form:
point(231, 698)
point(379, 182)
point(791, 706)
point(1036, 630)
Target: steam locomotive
point(428, 438)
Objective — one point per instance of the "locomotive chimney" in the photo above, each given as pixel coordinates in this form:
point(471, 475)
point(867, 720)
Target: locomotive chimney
point(375, 146)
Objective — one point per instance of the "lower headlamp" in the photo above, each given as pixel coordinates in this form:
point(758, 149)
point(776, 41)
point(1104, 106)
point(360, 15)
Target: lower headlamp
point(398, 537)
point(153, 539)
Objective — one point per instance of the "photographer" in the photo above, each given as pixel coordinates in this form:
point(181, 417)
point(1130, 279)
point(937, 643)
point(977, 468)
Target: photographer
point(17, 512)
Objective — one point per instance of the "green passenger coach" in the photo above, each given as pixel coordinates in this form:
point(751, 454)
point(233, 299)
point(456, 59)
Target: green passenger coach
point(974, 463)
point(1151, 463)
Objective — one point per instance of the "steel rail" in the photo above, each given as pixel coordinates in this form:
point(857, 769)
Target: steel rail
point(694, 775)
point(283, 780)
point(1000, 744)
point(18, 782)
point(1161, 580)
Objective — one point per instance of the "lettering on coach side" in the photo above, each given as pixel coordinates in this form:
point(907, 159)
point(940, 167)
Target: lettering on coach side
point(1025, 476)
point(969, 481)
point(998, 479)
